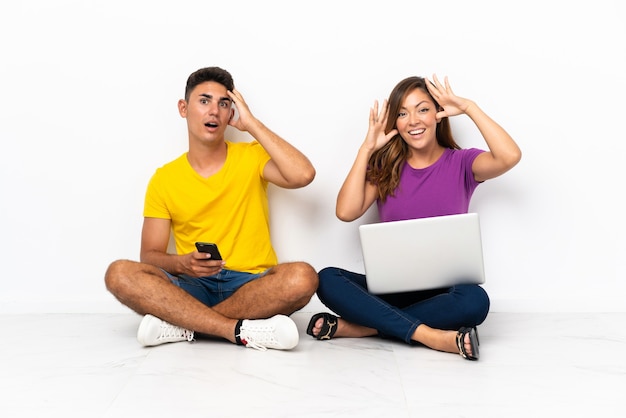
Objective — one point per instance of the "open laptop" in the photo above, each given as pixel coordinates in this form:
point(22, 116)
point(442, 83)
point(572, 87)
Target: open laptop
point(422, 254)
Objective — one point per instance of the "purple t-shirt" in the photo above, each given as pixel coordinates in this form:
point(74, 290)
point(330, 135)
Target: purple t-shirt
point(444, 188)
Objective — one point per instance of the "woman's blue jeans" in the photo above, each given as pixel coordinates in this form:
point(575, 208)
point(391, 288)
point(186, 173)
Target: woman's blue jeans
point(398, 315)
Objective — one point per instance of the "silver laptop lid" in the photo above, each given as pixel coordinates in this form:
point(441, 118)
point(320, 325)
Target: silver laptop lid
point(422, 254)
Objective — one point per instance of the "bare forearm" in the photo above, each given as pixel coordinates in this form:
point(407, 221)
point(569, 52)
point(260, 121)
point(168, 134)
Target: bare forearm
point(168, 262)
point(294, 167)
point(500, 143)
point(353, 198)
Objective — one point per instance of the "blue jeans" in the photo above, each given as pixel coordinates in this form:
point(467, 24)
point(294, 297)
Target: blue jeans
point(211, 290)
point(397, 315)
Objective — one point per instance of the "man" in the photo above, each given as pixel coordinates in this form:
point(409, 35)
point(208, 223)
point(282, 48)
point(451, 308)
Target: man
point(217, 192)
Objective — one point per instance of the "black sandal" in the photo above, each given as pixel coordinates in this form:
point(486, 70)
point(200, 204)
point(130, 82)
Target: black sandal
point(329, 327)
point(460, 342)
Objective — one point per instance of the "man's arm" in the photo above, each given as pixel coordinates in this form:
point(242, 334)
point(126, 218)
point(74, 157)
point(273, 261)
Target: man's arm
point(155, 237)
point(288, 167)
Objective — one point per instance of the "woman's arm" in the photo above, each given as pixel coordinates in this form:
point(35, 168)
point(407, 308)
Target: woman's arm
point(357, 194)
point(503, 152)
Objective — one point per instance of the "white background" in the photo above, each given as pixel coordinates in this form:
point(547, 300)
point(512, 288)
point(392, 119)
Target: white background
point(88, 93)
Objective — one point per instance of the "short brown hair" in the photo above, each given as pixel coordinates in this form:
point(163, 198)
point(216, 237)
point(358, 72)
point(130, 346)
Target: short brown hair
point(217, 74)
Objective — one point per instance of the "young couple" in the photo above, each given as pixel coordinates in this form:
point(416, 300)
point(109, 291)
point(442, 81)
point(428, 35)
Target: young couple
point(217, 192)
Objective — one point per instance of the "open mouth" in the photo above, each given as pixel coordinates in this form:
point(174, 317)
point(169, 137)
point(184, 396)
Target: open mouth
point(417, 132)
point(211, 125)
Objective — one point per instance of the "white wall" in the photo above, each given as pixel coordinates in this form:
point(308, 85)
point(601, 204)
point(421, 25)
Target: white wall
point(88, 94)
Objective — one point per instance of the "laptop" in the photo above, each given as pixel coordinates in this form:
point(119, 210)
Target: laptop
point(422, 254)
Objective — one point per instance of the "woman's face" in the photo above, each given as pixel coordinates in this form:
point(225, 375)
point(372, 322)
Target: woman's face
point(417, 120)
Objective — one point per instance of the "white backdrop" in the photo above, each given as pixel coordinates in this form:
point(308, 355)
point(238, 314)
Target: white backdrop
point(88, 111)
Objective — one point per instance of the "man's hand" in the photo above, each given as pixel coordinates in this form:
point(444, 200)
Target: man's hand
point(197, 264)
point(245, 119)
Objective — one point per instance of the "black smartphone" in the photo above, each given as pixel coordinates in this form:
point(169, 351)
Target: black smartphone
point(209, 247)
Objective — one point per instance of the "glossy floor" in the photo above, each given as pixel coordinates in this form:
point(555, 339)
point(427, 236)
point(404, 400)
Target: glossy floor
point(90, 365)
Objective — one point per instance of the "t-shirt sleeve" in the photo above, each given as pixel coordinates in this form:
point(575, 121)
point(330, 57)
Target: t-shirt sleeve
point(261, 155)
point(469, 155)
point(154, 205)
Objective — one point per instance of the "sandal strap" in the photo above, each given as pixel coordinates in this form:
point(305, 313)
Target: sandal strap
point(460, 343)
point(329, 326)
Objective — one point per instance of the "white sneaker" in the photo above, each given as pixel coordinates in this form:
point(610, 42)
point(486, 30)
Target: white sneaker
point(278, 332)
point(155, 331)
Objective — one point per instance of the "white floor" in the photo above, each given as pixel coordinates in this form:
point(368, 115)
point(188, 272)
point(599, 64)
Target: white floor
point(542, 365)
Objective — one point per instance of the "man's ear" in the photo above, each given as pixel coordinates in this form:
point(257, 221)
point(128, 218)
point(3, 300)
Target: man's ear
point(232, 114)
point(182, 108)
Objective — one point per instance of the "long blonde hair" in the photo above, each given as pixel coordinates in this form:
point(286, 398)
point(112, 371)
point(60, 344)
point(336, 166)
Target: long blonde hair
point(385, 165)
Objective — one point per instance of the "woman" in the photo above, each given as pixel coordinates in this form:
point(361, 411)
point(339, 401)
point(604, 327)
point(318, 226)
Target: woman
point(411, 166)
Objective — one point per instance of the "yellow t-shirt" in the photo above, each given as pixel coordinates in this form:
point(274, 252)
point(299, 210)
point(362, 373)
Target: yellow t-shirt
point(229, 208)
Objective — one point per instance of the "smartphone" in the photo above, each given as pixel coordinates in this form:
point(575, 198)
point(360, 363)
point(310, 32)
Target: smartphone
point(209, 247)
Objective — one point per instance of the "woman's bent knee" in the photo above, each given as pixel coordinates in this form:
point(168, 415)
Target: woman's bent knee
point(328, 272)
point(478, 304)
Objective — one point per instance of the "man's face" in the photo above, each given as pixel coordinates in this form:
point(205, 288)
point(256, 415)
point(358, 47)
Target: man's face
point(208, 111)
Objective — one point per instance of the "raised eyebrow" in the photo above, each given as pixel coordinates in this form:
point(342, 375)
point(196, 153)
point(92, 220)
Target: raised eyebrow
point(222, 99)
point(417, 105)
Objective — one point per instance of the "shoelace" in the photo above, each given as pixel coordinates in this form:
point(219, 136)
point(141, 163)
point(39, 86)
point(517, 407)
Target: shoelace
point(172, 331)
point(250, 341)
point(251, 344)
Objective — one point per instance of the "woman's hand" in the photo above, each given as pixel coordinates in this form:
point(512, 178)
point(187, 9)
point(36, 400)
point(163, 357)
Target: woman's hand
point(376, 137)
point(451, 104)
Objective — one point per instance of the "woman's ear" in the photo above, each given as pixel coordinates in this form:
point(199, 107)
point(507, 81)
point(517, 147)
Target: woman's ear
point(438, 117)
